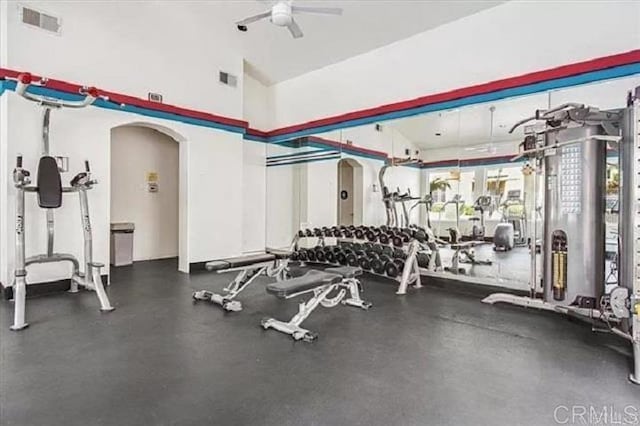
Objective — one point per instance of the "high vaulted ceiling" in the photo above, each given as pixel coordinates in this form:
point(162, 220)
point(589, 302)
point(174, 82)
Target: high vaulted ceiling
point(275, 56)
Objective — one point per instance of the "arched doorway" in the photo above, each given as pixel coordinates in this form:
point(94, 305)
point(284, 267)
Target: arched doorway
point(349, 192)
point(147, 189)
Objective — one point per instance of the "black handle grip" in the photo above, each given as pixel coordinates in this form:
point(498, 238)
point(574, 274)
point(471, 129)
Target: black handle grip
point(86, 166)
point(19, 161)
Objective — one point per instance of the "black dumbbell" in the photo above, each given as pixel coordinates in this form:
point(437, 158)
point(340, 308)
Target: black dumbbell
point(329, 254)
point(372, 234)
point(359, 233)
point(394, 267)
point(420, 235)
point(351, 258)
point(320, 254)
point(302, 255)
point(386, 250)
point(397, 240)
point(294, 256)
point(383, 237)
point(301, 233)
point(364, 262)
point(337, 232)
point(399, 254)
point(311, 255)
point(341, 257)
point(423, 259)
point(317, 232)
point(376, 265)
point(376, 248)
point(308, 233)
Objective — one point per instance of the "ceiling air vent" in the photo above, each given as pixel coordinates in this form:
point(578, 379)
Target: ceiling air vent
point(39, 19)
point(228, 79)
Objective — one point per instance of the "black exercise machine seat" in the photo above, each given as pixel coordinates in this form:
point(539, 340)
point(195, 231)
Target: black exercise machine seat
point(345, 271)
point(49, 184)
point(306, 282)
point(238, 262)
point(464, 245)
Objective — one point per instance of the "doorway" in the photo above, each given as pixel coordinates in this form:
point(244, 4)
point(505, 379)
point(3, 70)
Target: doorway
point(145, 189)
point(349, 192)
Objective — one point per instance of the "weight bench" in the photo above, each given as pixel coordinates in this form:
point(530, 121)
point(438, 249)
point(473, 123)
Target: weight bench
point(321, 284)
point(272, 264)
point(462, 253)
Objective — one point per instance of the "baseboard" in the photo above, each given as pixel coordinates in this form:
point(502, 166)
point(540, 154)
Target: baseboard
point(468, 288)
point(39, 289)
point(197, 267)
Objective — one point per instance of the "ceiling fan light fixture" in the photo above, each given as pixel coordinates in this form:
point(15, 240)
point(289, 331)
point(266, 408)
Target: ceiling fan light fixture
point(281, 14)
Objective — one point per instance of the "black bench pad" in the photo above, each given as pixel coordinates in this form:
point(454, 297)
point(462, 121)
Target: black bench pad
point(279, 254)
point(346, 271)
point(238, 262)
point(461, 246)
point(308, 281)
point(49, 184)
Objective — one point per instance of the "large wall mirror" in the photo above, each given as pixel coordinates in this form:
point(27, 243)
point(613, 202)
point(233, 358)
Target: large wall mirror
point(453, 171)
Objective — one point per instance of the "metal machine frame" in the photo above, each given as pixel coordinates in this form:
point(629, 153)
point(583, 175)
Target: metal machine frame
point(277, 268)
point(390, 199)
point(321, 294)
point(620, 309)
point(89, 279)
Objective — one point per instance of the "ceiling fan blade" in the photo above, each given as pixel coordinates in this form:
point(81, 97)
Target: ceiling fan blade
point(324, 10)
point(294, 29)
point(254, 18)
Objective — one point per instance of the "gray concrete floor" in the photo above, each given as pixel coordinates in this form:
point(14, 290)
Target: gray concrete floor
point(429, 358)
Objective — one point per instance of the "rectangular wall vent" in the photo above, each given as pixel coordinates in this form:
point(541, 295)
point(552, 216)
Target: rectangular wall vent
point(155, 97)
point(39, 19)
point(228, 79)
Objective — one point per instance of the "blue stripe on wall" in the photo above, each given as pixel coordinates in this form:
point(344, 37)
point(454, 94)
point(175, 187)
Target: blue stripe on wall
point(302, 154)
point(590, 77)
point(10, 85)
point(310, 160)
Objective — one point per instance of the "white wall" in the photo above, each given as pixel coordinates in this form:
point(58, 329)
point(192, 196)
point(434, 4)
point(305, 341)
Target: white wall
point(305, 195)
point(257, 104)
point(212, 205)
point(136, 151)
point(132, 48)
point(256, 110)
point(106, 45)
point(469, 51)
point(254, 194)
point(282, 187)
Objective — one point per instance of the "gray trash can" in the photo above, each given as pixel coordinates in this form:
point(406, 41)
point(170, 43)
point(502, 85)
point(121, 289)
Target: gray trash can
point(122, 243)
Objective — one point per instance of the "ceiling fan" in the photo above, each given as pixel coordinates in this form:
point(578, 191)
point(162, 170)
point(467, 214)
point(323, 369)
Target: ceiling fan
point(281, 14)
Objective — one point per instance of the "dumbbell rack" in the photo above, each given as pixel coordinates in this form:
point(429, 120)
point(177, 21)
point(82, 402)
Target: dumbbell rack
point(406, 271)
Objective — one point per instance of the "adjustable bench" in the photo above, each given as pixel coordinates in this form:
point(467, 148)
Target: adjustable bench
point(272, 264)
point(321, 284)
point(462, 253)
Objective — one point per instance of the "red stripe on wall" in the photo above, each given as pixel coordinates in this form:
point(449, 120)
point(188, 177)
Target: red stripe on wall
point(522, 80)
point(119, 98)
point(507, 83)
